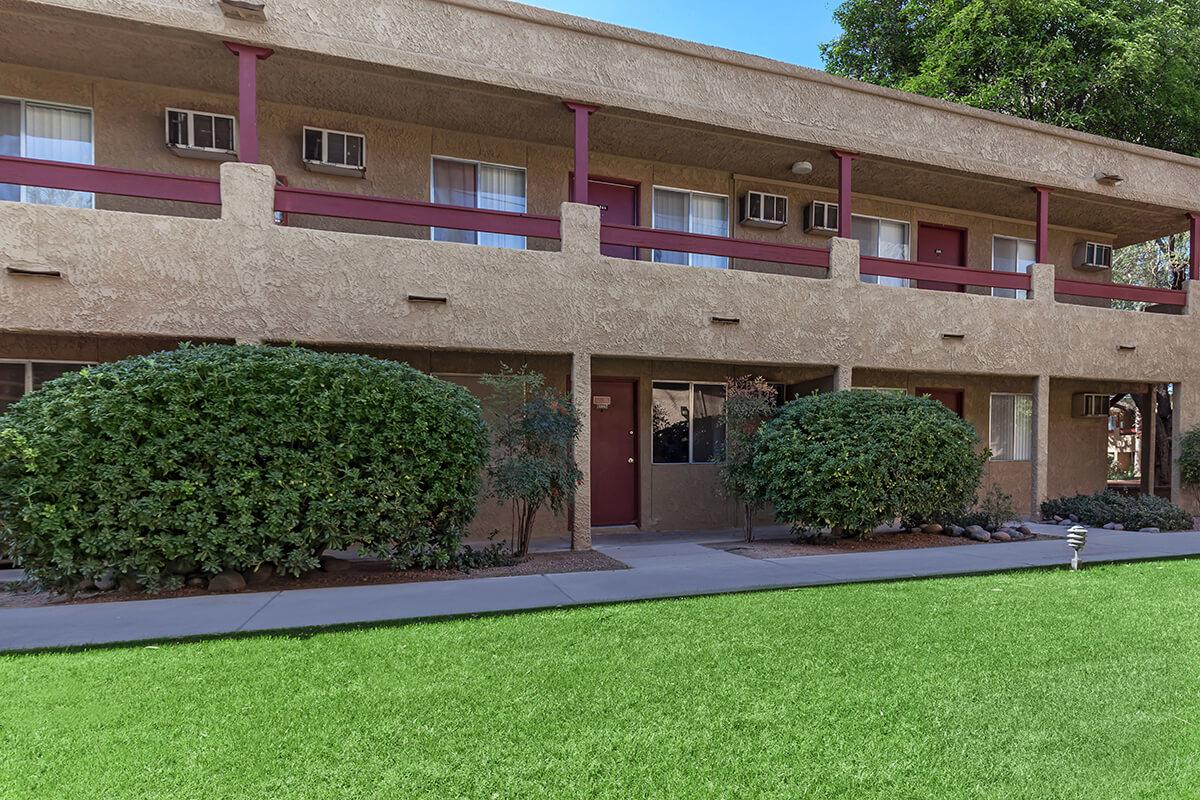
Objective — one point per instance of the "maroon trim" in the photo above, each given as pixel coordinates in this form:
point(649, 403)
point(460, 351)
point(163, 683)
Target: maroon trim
point(1193, 245)
point(917, 270)
point(1121, 291)
point(582, 113)
point(248, 58)
point(413, 212)
point(1042, 239)
point(109, 180)
point(845, 176)
point(679, 241)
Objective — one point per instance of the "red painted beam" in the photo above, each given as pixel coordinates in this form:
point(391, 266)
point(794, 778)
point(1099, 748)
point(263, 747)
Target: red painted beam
point(109, 180)
point(582, 114)
point(1193, 246)
point(413, 212)
point(679, 241)
point(917, 270)
point(1042, 239)
point(845, 175)
point(248, 58)
point(1121, 291)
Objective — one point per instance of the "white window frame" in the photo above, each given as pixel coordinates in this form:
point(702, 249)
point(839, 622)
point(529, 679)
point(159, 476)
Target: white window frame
point(691, 422)
point(324, 160)
point(29, 362)
point(191, 145)
point(26, 101)
point(1019, 294)
point(478, 163)
point(908, 249)
point(991, 403)
point(691, 224)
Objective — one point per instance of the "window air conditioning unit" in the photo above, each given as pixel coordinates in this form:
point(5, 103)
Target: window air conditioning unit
point(199, 134)
point(335, 152)
point(821, 217)
point(762, 210)
point(1093, 255)
point(1090, 405)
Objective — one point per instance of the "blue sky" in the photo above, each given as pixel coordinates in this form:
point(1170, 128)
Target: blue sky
point(787, 31)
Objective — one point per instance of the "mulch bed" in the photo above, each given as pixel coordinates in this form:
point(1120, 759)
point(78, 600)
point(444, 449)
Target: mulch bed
point(785, 548)
point(356, 572)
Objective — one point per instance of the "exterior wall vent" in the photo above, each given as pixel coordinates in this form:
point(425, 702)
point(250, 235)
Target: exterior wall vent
point(1093, 255)
point(821, 218)
point(762, 210)
point(199, 134)
point(1089, 405)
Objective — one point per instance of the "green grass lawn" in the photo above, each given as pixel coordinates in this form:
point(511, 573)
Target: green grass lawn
point(1027, 685)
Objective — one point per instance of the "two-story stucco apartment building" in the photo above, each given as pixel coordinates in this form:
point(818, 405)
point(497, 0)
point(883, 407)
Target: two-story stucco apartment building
point(465, 183)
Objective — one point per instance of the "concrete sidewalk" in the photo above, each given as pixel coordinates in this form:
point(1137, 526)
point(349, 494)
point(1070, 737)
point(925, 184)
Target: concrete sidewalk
point(669, 566)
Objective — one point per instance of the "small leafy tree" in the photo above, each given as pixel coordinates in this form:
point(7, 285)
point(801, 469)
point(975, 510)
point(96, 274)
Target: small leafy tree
point(749, 402)
point(1189, 458)
point(533, 436)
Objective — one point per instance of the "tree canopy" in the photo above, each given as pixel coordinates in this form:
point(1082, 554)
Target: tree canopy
point(1125, 69)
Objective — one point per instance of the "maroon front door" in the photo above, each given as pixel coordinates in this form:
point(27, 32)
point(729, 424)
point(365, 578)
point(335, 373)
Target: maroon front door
point(950, 398)
point(618, 206)
point(940, 245)
point(614, 452)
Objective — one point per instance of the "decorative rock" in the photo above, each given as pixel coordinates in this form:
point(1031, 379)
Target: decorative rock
point(1073, 518)
point(978, 534)
point(261, 575)
point(182, 566)
point(128, 583)
point(1025, 530)
point(1118, 527)
point(955, 530)
point(1147, 530)
point(1057, 519)
point(932, 527)
point(196, 581)
point(86, 585)
point(331, 564)
point(1066, 523)
point(1110, 526)
point(1001, 536)
point(1014, 534)
point(106, 582)
point(227, 581)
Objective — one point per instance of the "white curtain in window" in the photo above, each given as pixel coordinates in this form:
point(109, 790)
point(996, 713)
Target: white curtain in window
point(58, 134)
point(710, 216)
point(1011, 430)
point(10, 142)
point(1022, 427)
point(502, 189)
point(884, 239)
point(453, 185)
point(671, 213)
point(1011, 255)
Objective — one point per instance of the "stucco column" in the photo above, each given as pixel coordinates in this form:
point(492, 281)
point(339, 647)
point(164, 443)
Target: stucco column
point(1039, 480)
point(580, 229)
point(1041, 278)
point(1148, 408)
point(1193, 298)
point(581, 394)
point(844, 261)
point(843, 377)
point(1185, 415)
point(248, 194)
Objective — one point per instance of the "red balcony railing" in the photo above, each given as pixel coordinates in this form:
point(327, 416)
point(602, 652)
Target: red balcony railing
point(962, 276)
point(679, 242)
point(109, 180)
point(1121, 291)
point(413, 212)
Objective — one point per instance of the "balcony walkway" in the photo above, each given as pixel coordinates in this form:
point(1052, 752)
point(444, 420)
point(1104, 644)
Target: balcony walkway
point(660, 567)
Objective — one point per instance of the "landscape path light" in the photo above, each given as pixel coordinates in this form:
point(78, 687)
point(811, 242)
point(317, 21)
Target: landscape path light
point(1076, 538)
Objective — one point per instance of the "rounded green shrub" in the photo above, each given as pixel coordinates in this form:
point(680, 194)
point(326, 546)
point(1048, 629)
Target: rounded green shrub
point(854, 460)
point(220, 457)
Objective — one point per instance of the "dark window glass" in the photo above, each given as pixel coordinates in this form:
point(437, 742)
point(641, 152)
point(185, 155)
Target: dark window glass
point(223, 133)
point(708, 429)
point(354, 148)
point(669, 419)
point(177, 128)
point(313, 150)
point(12, 384)
point(202, 130)
point(43, 372)
point(337, 148)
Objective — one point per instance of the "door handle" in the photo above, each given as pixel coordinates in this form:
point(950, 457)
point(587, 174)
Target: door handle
point(631, 461)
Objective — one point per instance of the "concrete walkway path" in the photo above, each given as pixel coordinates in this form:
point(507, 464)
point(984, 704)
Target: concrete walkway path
point(660, 566)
